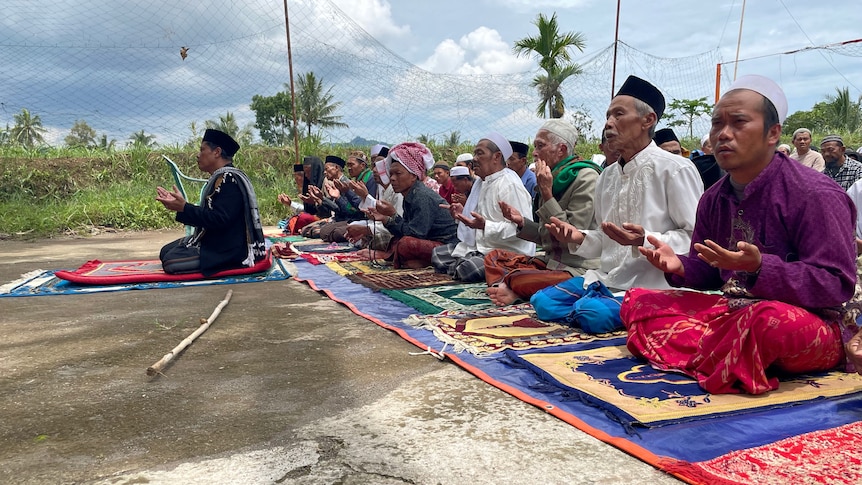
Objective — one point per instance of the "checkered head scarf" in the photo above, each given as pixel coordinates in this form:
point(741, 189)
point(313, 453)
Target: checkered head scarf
point(415, 157)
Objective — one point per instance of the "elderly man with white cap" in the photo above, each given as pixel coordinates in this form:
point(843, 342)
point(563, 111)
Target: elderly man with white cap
point(565, 189)
point(481, 225)
point(648, 192)
point(759, 238)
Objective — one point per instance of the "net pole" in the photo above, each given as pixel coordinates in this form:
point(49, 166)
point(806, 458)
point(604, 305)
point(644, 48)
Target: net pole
point(717, 81)
point(739, 40)
point(292, 92)
point(616, 43)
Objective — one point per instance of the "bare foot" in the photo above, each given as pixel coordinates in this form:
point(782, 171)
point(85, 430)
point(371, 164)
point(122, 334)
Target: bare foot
point(501, 295)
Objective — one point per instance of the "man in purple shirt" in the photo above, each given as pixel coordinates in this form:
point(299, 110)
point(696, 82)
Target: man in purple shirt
point(761, 237)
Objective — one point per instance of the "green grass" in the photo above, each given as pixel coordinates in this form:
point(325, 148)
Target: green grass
point(53, 190)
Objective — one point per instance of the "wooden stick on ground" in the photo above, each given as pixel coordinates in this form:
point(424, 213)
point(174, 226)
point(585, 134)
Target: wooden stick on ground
point(205, 324)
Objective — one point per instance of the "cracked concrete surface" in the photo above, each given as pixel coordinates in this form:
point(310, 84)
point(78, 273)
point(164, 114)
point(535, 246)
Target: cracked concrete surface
point(285, 387)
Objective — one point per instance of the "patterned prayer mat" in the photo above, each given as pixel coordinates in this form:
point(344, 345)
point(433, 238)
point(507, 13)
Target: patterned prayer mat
point(345, 268)
point(402, 279)
point(284, 238)
point(97, 272)
point(515, 327)
point(317, 246)
point(435, 299)
point(831, 456)
point(44, 283)
point(316, 251)
point(637, 394)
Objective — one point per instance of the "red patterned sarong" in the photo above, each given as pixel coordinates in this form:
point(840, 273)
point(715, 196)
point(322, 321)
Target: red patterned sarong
point(414, 250)
point(728, 351)
point(522, 274)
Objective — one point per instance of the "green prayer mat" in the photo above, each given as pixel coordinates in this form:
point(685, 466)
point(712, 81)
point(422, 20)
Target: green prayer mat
point(435, 299)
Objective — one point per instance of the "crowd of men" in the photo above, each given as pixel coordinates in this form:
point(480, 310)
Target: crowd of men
point(766, 236)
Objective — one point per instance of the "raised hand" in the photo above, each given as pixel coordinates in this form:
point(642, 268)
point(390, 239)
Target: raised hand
point(385, 208)
point(748, 258)
point(477, 222)
point(544, 179)
point(171, 199)
point(358, 188)
point(564, 232)
point(455, 209)
point(285, 199)
point(663, 257)
point(512, 214)
point(627, 235)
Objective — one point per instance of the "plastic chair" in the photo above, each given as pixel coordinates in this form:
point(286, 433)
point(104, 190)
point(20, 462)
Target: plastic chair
point(179, 176)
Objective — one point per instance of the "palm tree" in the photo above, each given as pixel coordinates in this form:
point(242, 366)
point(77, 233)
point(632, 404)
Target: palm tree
point(28, 129)
point(548, 85)
point(552, 50)
point(844, 113)
point(139, 139)
point(228, 124)
point(314, 106)
point(105, 144)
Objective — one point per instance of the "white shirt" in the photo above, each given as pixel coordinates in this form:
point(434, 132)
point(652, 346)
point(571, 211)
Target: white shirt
point(499, 232)
point(855, 193)
point(655, 189)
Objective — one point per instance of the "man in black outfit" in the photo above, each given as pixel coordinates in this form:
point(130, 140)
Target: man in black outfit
point(228, 233)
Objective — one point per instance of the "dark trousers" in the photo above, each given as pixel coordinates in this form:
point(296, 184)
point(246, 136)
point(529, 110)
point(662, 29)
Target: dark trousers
point(177, 258)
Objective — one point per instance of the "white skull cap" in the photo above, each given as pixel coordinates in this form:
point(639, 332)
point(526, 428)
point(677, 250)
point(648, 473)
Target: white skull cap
point(765, 87)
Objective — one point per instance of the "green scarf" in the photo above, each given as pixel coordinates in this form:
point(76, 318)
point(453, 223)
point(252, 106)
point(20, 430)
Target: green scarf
point(365, 176)
point(567, 171)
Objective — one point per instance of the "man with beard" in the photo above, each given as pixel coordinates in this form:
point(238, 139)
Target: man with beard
point(839, 167)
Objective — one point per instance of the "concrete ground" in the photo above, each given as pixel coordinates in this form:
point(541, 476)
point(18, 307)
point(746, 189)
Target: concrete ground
point(285, 387)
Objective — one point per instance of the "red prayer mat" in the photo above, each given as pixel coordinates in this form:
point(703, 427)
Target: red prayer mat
point(832, 456)
point(97, 272)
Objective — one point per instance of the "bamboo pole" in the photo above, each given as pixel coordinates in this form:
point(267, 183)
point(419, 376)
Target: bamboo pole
point(292, 92)
point(205, 324)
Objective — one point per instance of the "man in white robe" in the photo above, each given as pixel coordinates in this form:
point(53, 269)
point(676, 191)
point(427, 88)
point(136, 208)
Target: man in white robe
point(649, 192)
point(481, 225)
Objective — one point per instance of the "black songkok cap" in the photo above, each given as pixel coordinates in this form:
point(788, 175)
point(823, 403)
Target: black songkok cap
point(519, 148)
point(336, 160)
point(221, 139)
point(664, 135)
point(297, 167)
point(644, 91)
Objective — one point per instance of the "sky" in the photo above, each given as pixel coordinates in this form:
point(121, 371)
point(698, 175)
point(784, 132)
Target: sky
point(471, 36)
point(115, 63)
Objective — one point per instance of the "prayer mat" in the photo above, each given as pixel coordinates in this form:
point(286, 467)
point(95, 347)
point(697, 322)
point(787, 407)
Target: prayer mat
point(321, 258)
point(515, 327)
point(97, 272)
point(285, 238)
point(435, 299)
point(315, 251)
point(345, 268)
point(637, 394)
point(44, 283)
point(830, 456)
point(317, 246)
point(402, 279)
point(660, 446)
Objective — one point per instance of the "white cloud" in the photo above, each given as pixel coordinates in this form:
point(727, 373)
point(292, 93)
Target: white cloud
point(482, 51)
point(532, 5)
point(448, 57)
point(374, 16)
point(371, 102)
